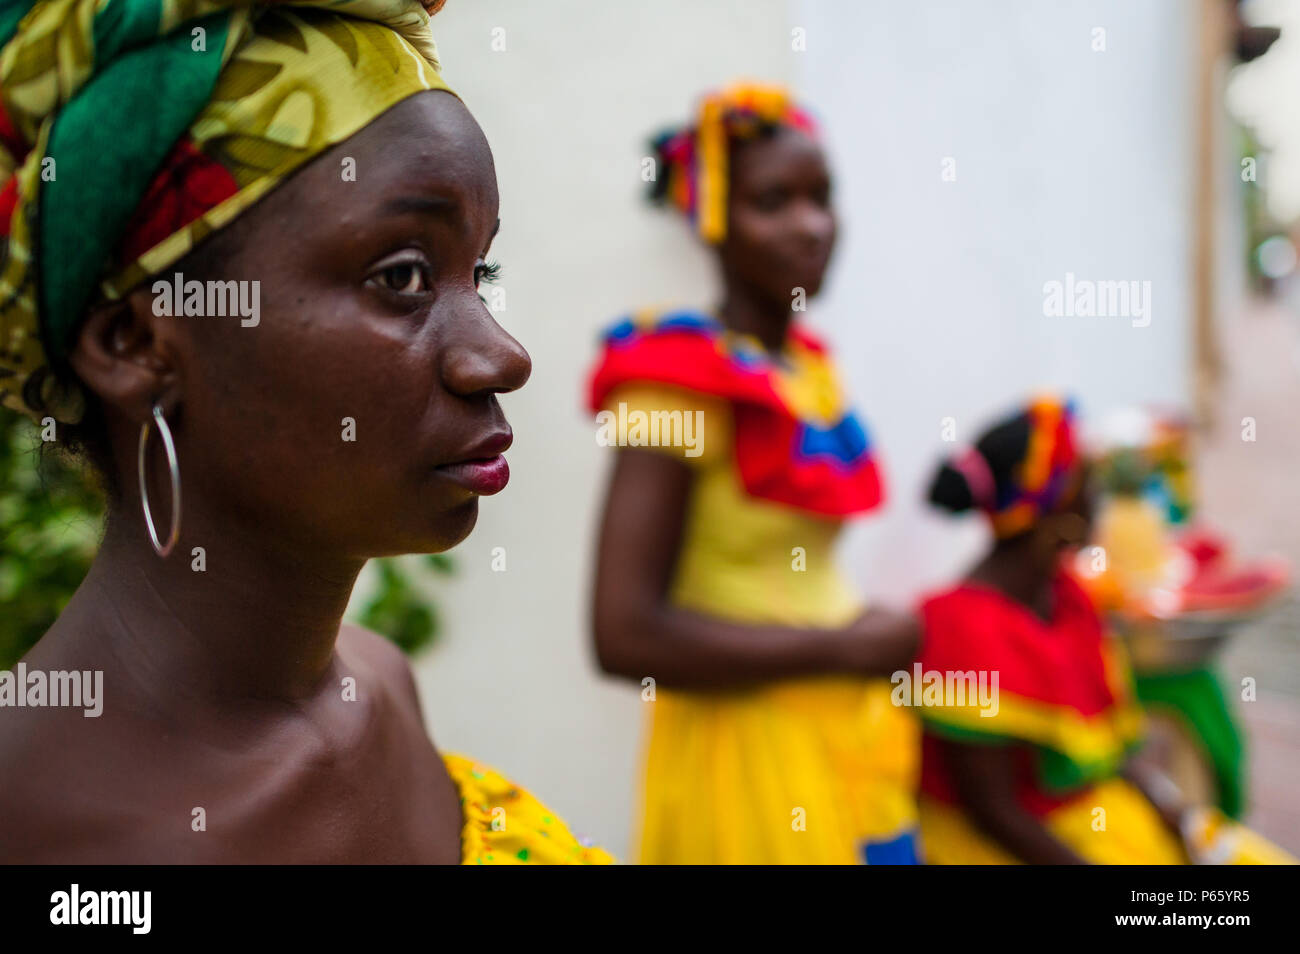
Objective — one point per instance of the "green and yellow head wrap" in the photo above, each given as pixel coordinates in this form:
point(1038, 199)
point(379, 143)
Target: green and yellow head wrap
point(132, 129)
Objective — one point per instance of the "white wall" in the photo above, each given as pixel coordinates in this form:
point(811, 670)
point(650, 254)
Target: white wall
point(1067, 160)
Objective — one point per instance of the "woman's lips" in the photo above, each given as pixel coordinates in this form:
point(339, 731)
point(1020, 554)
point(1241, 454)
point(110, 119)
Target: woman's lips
point(485, 477)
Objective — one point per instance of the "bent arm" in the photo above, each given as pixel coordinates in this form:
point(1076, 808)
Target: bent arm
point(638, 633)
point(1144, 773)
point(984, 776)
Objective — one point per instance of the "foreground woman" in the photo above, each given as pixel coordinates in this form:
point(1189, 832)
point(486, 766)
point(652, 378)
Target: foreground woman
point(1046, 769)
point(716, 588)
point(309, 157)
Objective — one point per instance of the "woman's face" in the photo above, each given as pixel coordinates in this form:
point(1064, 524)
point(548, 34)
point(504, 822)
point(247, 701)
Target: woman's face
point(780, 225)
point(1083, 502)
point(1071, 520)
point(359, 415)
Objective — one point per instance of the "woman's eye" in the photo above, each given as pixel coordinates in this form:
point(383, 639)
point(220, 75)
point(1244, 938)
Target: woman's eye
point(405, 279)
point(404, 275)
point(485, 272)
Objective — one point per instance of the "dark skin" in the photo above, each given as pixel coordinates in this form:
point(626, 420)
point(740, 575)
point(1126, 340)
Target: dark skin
point(1023, 568)
point(780, 235)
point(223, 689)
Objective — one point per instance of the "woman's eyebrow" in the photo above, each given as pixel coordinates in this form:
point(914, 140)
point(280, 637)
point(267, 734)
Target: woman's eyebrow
point(439, 205)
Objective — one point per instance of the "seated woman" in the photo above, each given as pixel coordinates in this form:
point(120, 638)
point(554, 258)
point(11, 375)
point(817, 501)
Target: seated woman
point(309, 156)
point(1045, 772)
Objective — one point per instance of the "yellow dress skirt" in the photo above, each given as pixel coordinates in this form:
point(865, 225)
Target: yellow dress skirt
point(1132, 834)
point(805, 771)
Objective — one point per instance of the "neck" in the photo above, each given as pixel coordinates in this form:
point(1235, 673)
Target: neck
point(259, 622)
point(1021, 570)
point(746, 311)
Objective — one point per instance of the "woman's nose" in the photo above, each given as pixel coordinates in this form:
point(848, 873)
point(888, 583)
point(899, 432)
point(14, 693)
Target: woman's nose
point(815, 223)
point(485, 359)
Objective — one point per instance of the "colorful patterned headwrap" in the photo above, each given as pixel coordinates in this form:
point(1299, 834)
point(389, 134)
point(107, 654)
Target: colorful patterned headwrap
point(695, 159)
point(132, 129)
point(1047, 474)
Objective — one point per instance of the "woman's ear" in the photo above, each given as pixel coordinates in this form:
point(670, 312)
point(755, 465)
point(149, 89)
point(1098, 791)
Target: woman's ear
point(124, 356)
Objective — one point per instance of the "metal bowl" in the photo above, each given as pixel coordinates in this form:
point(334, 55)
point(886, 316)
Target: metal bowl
point(1186, 641)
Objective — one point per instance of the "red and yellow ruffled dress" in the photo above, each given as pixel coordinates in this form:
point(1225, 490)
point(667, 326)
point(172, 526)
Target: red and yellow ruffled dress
point(800, 771)
point(1064, 699)
point(504, 825)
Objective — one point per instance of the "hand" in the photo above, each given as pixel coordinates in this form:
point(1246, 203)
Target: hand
point(882, 641)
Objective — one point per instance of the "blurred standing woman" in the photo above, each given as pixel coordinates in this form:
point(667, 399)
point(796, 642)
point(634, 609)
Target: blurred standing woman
point(738, 464)
point(1050, 772)
point(308, 154)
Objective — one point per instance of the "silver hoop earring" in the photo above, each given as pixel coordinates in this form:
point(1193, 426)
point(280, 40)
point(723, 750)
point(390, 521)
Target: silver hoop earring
point(169, 447)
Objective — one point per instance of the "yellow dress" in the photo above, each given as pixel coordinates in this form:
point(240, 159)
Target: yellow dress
point(802, 771)
point(504, 825)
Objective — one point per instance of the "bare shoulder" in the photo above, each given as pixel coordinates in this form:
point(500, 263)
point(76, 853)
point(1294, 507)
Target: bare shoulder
point(24, 744)
point(55, 787)
point(375, 656)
